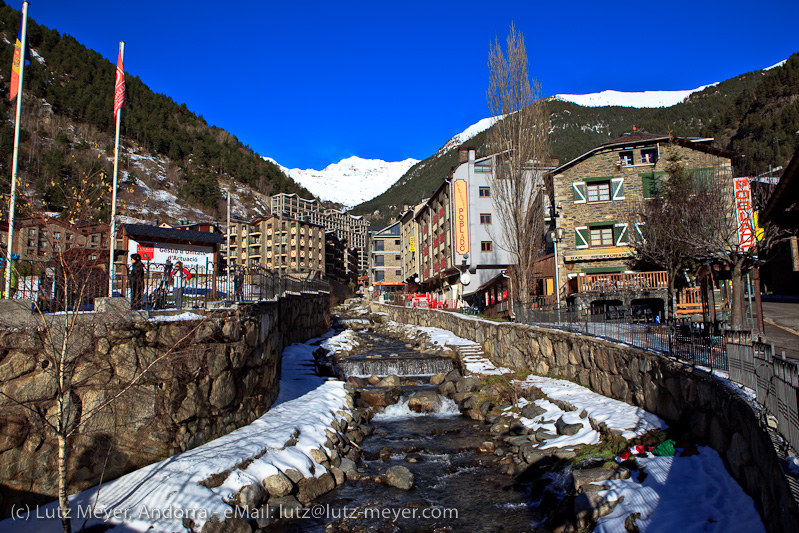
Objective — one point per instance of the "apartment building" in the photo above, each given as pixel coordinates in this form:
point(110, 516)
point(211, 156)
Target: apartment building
point(274, 242)
point(40, 239)
point(386, 258)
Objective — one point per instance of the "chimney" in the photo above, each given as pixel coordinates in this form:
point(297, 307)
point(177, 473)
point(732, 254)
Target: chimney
point(463, 154)
point(155, 222)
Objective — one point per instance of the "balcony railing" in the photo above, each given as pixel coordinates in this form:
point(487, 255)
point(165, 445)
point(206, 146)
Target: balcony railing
point(622, 282)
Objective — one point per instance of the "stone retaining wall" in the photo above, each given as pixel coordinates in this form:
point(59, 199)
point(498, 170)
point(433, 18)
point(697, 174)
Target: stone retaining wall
point(224, 375)
point(692, 401)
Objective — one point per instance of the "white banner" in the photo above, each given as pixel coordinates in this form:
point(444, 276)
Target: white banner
point(191, 256)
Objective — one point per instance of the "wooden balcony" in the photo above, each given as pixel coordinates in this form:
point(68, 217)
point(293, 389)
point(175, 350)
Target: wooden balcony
point(622, 282)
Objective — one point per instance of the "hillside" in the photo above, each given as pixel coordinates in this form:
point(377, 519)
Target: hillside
point(575, 130)
point(170, 157)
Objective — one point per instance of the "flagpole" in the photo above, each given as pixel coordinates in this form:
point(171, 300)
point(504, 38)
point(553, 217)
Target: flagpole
point(13, 200)
point(113, 235)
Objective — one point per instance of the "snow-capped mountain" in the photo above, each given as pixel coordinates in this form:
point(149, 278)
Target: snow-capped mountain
point(630, 99)
point(351, 181)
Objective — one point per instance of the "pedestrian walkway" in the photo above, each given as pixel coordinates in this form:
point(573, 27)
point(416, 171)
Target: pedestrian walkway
point(781, 320)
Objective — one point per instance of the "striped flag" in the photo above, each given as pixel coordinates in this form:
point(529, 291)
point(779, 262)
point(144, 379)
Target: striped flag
point(119, 86)
point(18, 48)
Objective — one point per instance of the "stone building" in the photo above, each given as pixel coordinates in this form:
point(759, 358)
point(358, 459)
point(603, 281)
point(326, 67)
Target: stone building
point(594, 194)
point(273, 242)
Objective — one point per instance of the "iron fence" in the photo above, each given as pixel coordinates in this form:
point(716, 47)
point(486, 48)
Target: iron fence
point(56, 286)
point(749, 362)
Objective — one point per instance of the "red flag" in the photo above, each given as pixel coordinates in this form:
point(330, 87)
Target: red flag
point(119, 86)
point(18, 47)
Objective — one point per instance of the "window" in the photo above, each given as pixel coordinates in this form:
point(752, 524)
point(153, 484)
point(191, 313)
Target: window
point(31, 232)
point(484, 192)
point(379, 260)
point(380, 275)
point(398, 272)
point(486, 246)
point(598, 192)
point(379, 245)
point(625, 158)
point(485, 218)
point(483, 166)
point(397, 242)
point(57, 235)
point(397, 257)
point(602, 236)
point(649, 156)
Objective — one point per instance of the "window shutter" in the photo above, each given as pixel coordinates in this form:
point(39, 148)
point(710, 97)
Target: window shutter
point(617, 186)
point(639, 234)
point(579, 192)
point(620, 235)
point(581, 236)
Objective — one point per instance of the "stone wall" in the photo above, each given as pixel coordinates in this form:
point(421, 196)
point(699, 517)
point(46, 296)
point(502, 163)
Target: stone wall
point(189, 382)
point(692, 401)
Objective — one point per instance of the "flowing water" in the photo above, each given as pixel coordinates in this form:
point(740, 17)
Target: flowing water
point(456, 487)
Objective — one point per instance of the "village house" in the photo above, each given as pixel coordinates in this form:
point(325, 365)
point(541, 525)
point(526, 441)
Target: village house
point(593, 195)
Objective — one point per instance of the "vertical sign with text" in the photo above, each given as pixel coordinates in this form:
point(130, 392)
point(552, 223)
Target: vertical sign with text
point(743, 214)
point(460, 194)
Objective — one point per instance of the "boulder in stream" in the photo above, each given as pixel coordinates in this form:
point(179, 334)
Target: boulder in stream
point(390, 381)
point(424, 402)
point(380, 397)
point(399, 477)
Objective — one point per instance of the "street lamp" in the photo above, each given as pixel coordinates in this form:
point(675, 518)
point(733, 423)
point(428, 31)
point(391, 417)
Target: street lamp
point(464, 278)
point(557, 236)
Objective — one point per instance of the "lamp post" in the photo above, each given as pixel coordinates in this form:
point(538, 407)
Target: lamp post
point(557, 236)
point(463, 279)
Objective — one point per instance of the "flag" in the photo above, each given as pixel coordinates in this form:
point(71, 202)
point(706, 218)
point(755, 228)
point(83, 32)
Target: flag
point(119, 86)
point(18, 51)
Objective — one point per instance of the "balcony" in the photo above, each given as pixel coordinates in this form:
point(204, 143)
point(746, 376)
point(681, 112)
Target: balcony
point(622, 282)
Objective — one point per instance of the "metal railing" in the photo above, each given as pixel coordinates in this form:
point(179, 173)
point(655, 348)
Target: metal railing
point(749, 362)
point(58, 287)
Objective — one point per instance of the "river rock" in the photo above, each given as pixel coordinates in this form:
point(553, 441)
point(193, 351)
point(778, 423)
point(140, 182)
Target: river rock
point(358, 382)
point(228, 524)
point(424, 402)
point(399, 477)
point(589, 506)
point(294, 475)
point(447, 389)
point(487, 447)
point(313, 487)
point(373, 380)
point(590, 475)
point(542, 434)
point(532, 410)
point(338, 476)
point(564, 428)
point(454, 375)
point(475, 414)
point(438, 379)
point(466, 384)
point(284, 507)
point(390, 381)
point(278, 485)
point(380, 397)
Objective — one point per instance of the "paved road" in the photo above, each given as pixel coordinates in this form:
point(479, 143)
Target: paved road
point(782, 326)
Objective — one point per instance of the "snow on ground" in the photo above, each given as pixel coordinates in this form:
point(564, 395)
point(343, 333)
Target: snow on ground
point(632, 421)
point(345, 341)
point(476, 364)
point(686, 494)
point(157, 497)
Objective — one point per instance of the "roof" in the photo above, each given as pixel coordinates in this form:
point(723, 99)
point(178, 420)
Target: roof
point(155, 232)
point(642, 138)
point(783, 206)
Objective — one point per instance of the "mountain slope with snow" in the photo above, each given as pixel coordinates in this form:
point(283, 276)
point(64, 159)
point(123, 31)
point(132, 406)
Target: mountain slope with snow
point(351, 181)
point(630, 99)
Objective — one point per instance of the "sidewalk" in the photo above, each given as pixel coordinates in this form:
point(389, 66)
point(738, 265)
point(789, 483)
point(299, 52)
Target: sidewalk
point(781, 320)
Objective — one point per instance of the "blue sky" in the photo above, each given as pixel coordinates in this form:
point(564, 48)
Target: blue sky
point(309, 83)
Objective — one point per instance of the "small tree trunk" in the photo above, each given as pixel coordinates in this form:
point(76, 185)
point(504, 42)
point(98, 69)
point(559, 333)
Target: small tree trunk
point(737, 298)
point(671, 297)
point(63, 501)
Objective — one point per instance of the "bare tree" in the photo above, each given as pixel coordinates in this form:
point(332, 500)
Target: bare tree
point(72, 379)
point(520, 138)
point(655, 231)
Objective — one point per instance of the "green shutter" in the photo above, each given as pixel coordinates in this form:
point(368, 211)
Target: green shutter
point(651, 182)
point(620, 234)
point(581, 237)
point(579, 192)
point(617, 189)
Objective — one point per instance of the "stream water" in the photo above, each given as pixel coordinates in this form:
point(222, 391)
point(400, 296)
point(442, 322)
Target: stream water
point(456, 487)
